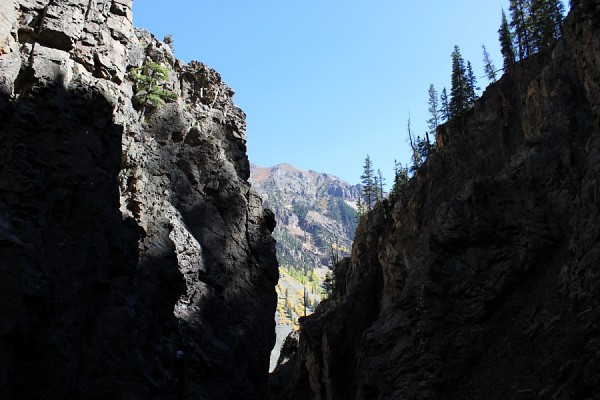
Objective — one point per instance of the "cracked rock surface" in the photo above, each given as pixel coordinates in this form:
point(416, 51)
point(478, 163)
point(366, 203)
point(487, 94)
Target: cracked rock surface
point(135, 260)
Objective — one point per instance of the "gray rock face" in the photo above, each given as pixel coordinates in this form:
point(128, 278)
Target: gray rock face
point(135, 260)
point(480, 281)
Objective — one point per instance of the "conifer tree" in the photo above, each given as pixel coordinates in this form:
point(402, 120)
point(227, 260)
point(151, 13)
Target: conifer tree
point(416, 156)
point(376, 189)
point(305, 298)
point(459, 92)
point(335, 256)
point(539, 26)
point(430, 146)
point(149, 81)
point(488, 66)
point(381, 184)
point(520, 12)
point(328, 283)
point(444, 106)
point(546, 20)
point(434, 110)
point(558, 15)
point(360, 208)
point(169, 41)
point(507, 47)
point(423, 147)
point(471, 86)
point(400, 179)
point(368, 183)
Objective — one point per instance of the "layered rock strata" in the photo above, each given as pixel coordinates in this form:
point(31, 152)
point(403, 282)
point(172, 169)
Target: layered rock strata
point(135, 260)
point(481, 280)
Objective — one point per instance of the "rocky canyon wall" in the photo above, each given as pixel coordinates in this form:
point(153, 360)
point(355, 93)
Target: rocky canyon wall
point(135, 260)
point(481, 280)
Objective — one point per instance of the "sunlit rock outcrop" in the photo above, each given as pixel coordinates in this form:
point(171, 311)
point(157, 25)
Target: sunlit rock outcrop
point(135, 260)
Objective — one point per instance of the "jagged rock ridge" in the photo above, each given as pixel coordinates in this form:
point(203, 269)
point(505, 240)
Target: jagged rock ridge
point(480, 281)
point(135, 260)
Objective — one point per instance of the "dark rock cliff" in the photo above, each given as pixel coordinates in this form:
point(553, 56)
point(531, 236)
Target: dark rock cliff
point(135, 260)
point(481, 281)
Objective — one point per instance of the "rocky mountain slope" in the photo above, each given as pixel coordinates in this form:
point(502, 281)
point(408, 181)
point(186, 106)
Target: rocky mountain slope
point(314, 212)
point(135, 260)
point(480, 281)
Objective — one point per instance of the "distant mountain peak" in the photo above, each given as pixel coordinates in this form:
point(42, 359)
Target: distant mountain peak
point(259, 174)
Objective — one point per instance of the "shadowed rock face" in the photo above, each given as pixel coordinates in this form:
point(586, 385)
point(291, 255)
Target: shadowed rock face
point(481, 280)
point(135, 260)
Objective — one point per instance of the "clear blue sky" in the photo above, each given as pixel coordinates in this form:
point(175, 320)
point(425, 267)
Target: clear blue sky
point(324, 82)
